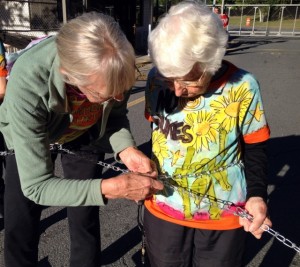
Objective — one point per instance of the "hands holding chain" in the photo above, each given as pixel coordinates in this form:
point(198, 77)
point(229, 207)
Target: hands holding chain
point(137, 185)
point(142, 183)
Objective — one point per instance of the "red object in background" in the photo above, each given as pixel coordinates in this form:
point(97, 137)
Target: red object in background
point(248, 21)
point(225, 19)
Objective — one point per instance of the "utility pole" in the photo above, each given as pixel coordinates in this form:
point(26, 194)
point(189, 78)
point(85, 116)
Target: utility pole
point(64, 11)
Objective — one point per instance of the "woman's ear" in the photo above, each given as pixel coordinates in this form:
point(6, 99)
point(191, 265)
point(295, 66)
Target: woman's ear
point(62, 71)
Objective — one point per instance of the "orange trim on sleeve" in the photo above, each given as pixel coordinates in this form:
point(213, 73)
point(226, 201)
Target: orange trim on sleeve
point(148, 117)
point(225, 223)
point(261, 135)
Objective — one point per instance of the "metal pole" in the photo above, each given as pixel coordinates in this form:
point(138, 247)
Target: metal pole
point(296, 15)
point(229, 9)
point(254, 18)
point(84, 4)
point(64, 11)
point(222, 6)
point(241, 20)
point(281, 19)
point(268, 17)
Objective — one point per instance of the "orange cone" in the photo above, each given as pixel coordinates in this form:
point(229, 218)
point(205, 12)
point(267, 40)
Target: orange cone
point(248, 21)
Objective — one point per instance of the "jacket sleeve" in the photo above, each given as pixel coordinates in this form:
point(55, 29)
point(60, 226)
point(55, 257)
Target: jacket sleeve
point(255, 160)
point(36, 171)
point(25, 122)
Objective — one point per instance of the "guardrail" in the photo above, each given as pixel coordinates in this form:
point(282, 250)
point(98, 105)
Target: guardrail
point(261, 19)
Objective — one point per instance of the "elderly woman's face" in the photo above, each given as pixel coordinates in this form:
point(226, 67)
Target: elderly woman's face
point(191, 85)
point(96, 90)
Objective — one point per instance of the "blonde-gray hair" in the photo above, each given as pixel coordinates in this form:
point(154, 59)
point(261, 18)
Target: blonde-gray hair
point(189, 33)
point(94, 43)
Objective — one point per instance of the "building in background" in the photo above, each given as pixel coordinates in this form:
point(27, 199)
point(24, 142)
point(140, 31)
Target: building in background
point(136, 17)
point(34, 18)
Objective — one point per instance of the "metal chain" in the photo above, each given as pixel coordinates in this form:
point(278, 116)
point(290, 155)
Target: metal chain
point(242, 213)
point(197, 175)
point(6, 153)
point(225, 205)
point(110, 166)
point(228, 206)
point(59, 147)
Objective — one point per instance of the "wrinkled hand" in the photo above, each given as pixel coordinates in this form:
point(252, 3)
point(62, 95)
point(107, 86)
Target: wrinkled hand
point(132, 186)
point(257, 207)
point(137, 161)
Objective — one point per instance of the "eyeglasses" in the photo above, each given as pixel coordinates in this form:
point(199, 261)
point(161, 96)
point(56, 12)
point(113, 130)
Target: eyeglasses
point(185, 84)
point(95, 94)
point(98, 95)
point(106, 99)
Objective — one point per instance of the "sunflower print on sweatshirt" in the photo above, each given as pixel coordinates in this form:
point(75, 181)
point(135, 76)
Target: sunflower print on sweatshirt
point(198, 143)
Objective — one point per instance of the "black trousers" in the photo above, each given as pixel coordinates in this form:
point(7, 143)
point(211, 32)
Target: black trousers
point(2, 159)
point(22, 217)
point(172, 245)
point(2, 166)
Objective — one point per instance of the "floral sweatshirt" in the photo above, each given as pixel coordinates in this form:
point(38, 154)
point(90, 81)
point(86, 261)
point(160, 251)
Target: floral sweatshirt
point(207, 149)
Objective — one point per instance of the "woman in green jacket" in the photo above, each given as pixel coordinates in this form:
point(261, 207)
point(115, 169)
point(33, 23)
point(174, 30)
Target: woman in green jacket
point(3, 74)
point(70, 89)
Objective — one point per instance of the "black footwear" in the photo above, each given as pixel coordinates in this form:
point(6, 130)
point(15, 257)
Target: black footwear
point(1, 210)
point(2, 200)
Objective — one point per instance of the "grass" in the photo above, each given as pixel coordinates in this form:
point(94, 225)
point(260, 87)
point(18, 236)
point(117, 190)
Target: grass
point(287, 24)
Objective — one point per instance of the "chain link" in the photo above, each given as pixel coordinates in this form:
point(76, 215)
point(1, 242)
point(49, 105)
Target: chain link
point(110, 166)
point(242, 213)
point(6, 153)
point(59, 147)
point(200, 174)
point(230, 207)
point(165, 179)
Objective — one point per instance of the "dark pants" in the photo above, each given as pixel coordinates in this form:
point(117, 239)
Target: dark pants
point(171, 245)
point(2, 184)
point(22, 218)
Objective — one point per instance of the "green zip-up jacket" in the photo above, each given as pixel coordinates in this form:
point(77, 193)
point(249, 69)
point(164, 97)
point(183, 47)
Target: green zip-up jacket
point(35, 113)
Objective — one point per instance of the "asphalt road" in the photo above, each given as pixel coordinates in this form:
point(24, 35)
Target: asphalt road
point(276, 64)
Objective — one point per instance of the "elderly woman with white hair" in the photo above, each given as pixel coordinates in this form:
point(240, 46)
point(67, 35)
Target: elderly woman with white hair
point(209, 135)
point(70, 89)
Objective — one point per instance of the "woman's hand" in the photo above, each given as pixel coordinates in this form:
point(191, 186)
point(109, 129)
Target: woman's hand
point(132, 186)
point(137, 161)
point(257, 207)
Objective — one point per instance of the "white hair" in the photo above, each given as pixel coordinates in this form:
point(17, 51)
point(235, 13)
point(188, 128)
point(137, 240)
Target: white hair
point(189, 33)
point(94, 43)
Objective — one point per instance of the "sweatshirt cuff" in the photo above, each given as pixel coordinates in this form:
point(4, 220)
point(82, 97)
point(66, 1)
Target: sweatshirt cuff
point(98, 198)
point(257, 193)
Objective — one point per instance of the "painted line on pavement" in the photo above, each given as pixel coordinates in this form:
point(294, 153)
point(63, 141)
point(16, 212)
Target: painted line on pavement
point(135, 102)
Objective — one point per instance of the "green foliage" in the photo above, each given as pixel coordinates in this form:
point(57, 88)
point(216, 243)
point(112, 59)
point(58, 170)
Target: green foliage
point(266, 2)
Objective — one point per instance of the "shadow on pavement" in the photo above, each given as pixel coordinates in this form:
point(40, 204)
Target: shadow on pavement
point(238, 44)
point(44, 263)
point(121, 246)
point(54, 218)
